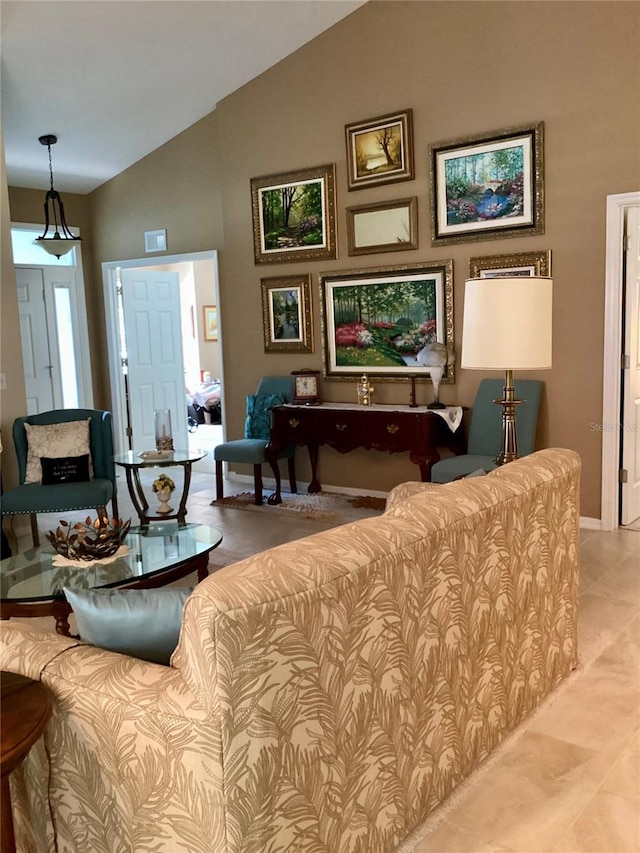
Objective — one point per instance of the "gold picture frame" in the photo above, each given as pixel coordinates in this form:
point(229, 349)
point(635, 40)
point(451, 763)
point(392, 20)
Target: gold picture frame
point(287, 313)
point(210, 322)
point(375, 321)
point(294, 216)
point(386, 226)
point(516, 264)
point(488, 186)
point(380, 150)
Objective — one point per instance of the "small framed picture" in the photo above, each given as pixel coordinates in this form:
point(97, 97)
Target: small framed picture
point(210, 322)
point(487, 187)
point(388, 226)
point(286, 314)
point(294, 216)
point(518, 264)
point(380, 150)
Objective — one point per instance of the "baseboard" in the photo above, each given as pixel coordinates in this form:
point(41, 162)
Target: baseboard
point(270, 483)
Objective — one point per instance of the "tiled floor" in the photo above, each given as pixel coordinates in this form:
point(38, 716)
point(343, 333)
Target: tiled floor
point(568, 779)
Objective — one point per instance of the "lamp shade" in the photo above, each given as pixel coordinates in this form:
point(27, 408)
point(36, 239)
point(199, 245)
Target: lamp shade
point(507, 323)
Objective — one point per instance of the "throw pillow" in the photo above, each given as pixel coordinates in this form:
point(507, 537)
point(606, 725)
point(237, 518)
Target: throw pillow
point(141, 623)
point(258, 422)
point(54, 441)
point(68, 469)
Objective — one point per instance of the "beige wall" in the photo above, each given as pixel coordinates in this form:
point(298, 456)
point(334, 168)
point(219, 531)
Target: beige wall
point(13, 401)
point(464, 68)
point(204, 277)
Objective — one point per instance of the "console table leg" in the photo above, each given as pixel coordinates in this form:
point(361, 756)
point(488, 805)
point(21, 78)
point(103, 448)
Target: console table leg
point(425, 464)
point(276, 497)
point(314, 485)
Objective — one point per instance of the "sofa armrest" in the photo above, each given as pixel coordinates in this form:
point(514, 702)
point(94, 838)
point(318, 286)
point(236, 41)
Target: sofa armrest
point(28, 650)
point(64, 663)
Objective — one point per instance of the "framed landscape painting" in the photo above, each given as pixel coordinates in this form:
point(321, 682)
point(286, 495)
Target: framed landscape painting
point(286, 314)
point(380, 150)
point(294, 216)
point(376, 321)
point(518, 264)
point(489, 186)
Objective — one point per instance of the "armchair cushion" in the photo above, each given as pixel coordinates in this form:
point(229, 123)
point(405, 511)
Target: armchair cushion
point(70, 438)
point(258, 422)
point(142, 623)
point(62, 497)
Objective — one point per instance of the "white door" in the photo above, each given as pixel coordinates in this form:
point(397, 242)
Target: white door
point(36, 359)
point(152, 326)
point(630, 438)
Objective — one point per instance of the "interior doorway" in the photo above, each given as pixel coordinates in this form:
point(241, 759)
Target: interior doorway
point(150, 371)
point(621, 409)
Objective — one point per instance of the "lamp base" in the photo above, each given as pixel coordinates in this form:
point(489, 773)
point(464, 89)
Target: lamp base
point(437, 405)
point(508, 440)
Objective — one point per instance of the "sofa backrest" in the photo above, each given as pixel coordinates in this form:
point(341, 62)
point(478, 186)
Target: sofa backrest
point(377, 663)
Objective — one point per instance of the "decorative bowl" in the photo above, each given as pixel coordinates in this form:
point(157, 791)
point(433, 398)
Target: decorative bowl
point(89, 540)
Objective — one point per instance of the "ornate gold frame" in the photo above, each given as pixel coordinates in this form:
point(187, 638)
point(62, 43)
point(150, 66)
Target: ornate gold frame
point(539, 264)
point(533, 225)
point(393, 243)
point(325, 175)
point(301, 283)
point(375, 276)
point(404, 120)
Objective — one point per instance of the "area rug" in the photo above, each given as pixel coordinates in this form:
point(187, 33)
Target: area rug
point(324, 506)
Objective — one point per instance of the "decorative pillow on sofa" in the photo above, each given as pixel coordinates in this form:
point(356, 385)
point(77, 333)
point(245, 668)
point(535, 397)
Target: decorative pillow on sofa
point(55, 441)
point(68, 469)
point(142, 623)
point(258, 422)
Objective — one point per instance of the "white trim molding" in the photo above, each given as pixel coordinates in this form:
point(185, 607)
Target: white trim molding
point(617, 206)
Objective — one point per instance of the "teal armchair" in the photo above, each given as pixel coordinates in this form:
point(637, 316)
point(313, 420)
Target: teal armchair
point(32, 498)
point(252, 449)
point(485, 429)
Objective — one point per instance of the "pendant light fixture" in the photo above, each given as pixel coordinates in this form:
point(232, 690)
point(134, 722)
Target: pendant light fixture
point(62, 240)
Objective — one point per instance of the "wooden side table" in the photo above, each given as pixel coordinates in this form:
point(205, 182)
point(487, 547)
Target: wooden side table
point(25, 708)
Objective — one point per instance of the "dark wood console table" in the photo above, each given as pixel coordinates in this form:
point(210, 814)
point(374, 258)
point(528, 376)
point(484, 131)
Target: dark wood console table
point(392, 429)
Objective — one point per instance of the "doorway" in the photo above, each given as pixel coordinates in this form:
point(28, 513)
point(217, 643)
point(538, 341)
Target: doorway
point(140, 380)
point(620, 439)
point(53, 325)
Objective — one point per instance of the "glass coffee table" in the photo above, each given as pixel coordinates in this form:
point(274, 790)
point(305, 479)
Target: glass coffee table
point(158, 555)
point(133, 462)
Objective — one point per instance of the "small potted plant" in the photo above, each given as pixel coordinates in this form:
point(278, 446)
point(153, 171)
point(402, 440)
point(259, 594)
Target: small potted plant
point(163, 487)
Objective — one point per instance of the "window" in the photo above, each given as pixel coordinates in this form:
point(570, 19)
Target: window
point(25, 252)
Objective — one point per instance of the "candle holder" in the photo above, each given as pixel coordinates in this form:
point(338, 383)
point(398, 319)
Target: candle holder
point(164, 436)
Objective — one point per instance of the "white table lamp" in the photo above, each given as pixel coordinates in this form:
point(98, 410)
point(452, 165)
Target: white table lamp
point(507, 326)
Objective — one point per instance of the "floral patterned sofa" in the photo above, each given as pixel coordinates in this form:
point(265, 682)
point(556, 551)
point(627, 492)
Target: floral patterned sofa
point(325, 695)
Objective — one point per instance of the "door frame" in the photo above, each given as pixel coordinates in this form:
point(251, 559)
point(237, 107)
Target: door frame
point(617, 206)
point(116, 377)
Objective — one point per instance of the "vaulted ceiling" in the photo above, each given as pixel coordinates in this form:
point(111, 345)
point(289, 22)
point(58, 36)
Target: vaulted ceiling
point(115, 79)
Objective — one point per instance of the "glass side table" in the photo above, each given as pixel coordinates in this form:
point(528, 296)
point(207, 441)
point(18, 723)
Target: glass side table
point(133, 462)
